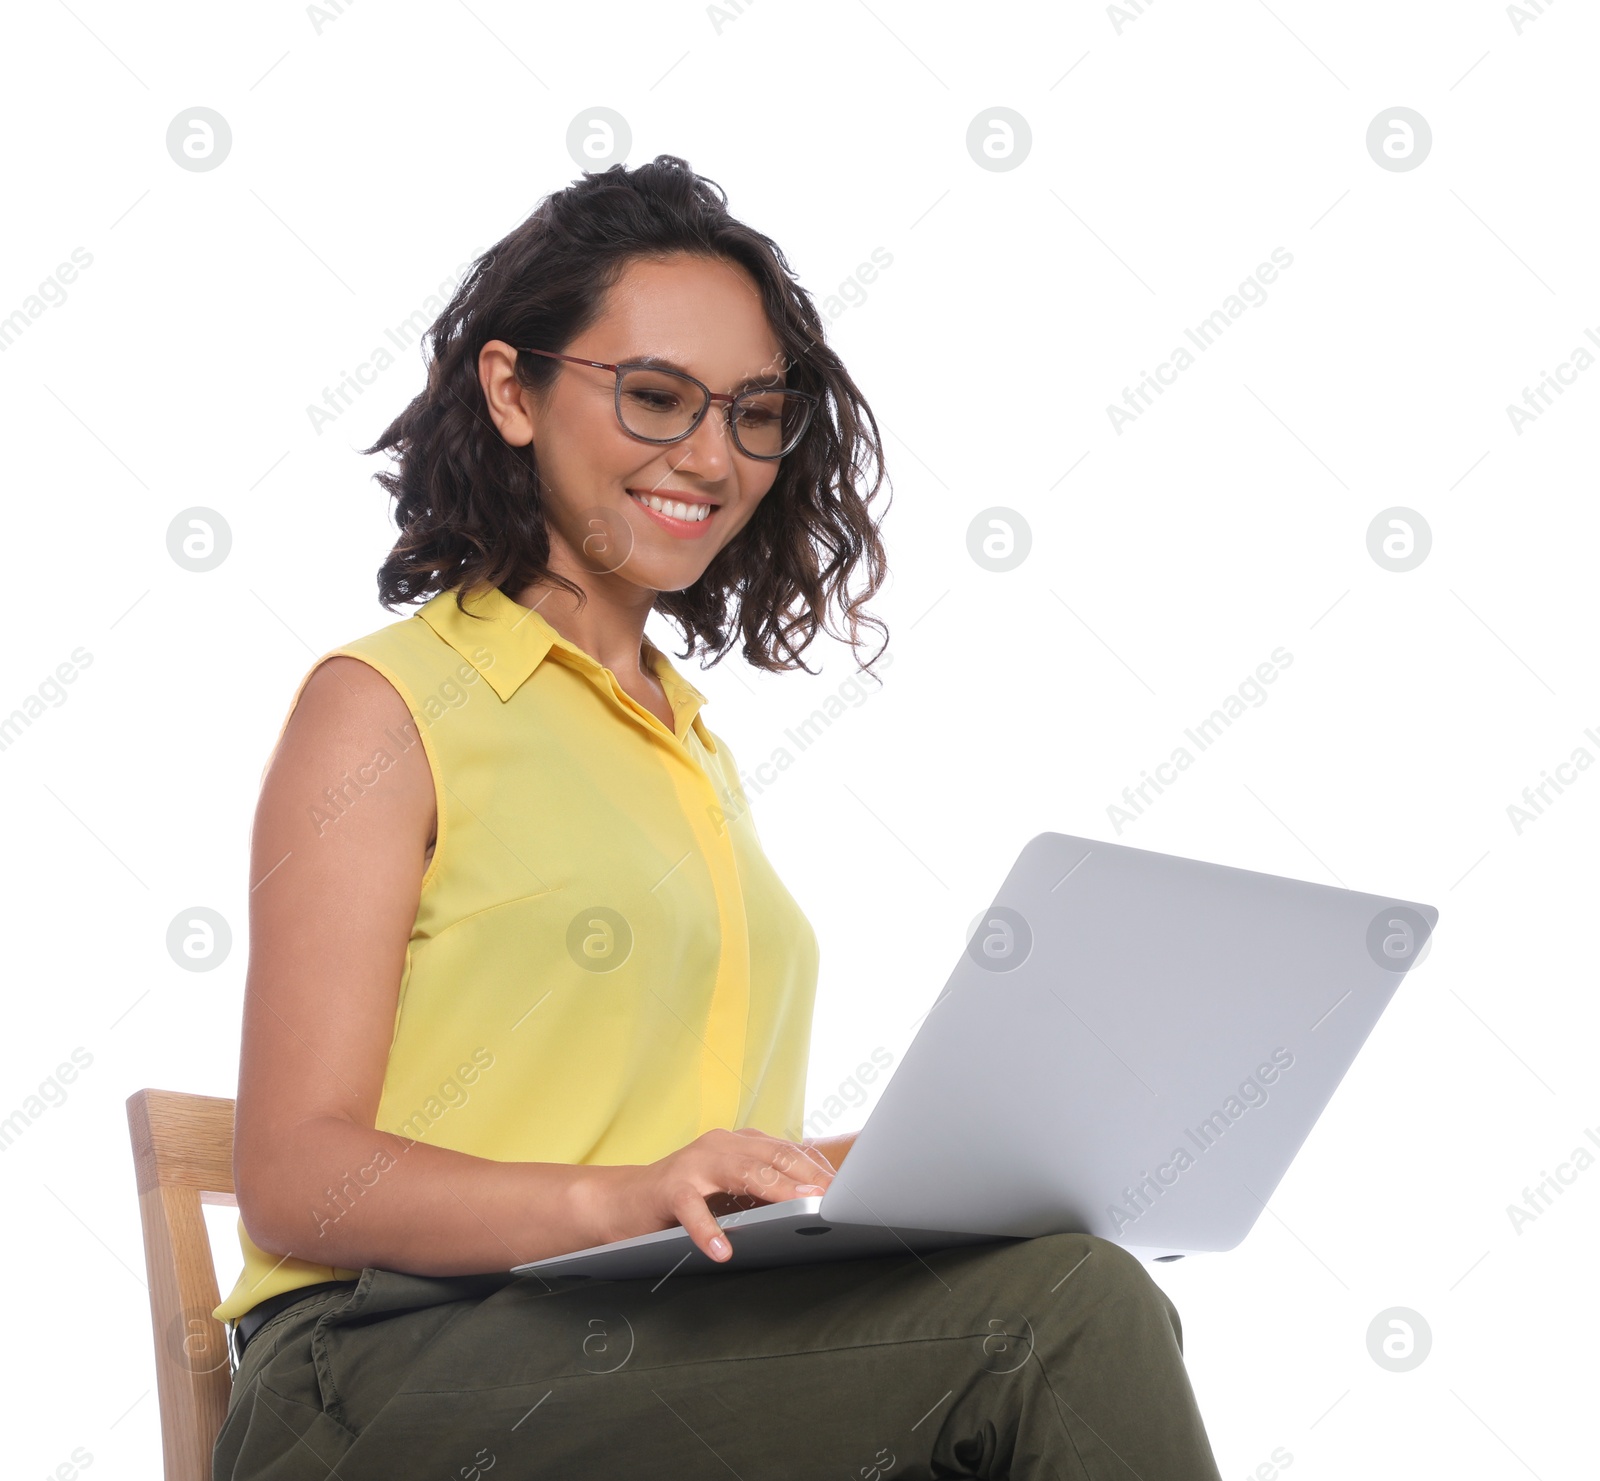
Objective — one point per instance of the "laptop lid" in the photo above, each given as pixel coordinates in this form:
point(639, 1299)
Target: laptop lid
point(1132, 1044)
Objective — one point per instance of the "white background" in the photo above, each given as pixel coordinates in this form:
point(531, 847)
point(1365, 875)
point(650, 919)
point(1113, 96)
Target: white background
point(377, 150)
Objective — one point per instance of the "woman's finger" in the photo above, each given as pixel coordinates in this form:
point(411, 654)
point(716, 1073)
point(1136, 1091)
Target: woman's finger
point(702, 1227)
point(784, 1155)
point(767, 1180)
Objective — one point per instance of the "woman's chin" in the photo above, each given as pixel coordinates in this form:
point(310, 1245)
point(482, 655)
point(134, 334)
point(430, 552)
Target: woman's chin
point(664, 575)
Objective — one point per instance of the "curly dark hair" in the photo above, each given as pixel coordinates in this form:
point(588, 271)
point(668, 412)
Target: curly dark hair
point(469, 506)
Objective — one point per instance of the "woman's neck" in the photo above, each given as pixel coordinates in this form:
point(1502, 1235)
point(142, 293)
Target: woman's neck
point(609, 626)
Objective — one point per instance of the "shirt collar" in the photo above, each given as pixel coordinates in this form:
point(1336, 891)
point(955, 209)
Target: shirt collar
point(505, 642)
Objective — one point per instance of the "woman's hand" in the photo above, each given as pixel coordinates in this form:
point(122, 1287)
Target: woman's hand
point(747, 1166)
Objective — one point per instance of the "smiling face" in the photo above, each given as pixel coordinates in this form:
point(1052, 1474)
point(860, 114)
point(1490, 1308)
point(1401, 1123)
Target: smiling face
point(620, 509)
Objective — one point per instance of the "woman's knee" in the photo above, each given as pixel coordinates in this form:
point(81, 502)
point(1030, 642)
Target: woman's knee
point(1099, 1272)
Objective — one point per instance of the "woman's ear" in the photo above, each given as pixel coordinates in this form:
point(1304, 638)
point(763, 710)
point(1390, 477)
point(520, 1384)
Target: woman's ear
point(510, 403)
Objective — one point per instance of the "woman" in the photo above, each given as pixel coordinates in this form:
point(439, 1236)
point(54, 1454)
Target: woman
point(522, 981)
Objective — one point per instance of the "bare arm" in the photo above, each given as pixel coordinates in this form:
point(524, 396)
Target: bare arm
point(332, 906)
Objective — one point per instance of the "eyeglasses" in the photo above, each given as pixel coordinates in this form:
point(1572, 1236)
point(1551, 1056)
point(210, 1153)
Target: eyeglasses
point(658, 405)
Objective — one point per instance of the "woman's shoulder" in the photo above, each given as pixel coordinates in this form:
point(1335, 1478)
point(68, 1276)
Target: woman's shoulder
point(346, 715)
point(404, 636)
point(408, 653)
point(364, 685)
point(344, 698)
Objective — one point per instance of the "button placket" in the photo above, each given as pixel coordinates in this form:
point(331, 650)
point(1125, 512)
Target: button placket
point(728, 1016)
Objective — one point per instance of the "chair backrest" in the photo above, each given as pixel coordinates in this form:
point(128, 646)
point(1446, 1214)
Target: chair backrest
point(183, 1155)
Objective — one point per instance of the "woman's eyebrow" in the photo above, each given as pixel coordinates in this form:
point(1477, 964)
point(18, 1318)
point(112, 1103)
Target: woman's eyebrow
point(661, 362)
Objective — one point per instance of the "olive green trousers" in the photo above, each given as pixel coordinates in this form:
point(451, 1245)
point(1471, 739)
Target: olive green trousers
point(1049, 1359)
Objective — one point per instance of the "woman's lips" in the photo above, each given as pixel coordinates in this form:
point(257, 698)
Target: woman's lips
point(682, 529)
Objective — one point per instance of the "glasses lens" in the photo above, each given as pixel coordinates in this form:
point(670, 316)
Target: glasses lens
point(658, 404)
point(769, 423)
point(661, 405)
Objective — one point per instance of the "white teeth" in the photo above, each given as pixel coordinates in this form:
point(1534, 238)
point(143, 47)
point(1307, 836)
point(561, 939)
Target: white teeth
point(690, 513)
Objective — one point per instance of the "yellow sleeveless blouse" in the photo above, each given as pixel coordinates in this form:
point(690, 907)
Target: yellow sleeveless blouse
point(604, 964)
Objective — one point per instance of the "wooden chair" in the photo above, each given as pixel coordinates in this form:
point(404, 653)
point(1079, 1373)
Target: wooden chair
point(183, 1156)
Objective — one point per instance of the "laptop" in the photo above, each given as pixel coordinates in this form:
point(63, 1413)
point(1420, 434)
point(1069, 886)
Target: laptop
point(1132, 1045)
